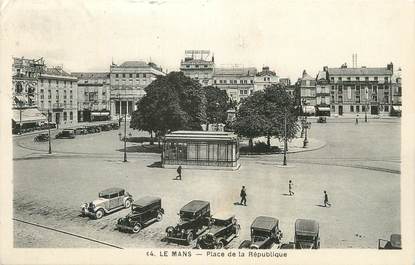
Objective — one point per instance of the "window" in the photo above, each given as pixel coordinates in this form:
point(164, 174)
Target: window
point(357, 108)
point(197, 66)
point(41, 91)
point(252, 81)
point(333, 108)
point(123, 75)
point(357, 78)
point(366, 78)
point(348, 79)
point(363, 108)
point(265, 79)
point(214, 81)
point(332, 79)
point(144, 75)
point(71, 115)
point(42, 96)
point(65, 116)
point(49, 82)
point(387, 108)
point(351, 108)
point(64, 82)
point(131, 75)
point(340, 79)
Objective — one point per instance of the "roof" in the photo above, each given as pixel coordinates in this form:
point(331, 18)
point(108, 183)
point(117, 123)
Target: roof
point(306, 76)
point(111, 190)
point(223, 215)
point(264, 222)
point(194, 206)
point(360, 71)
point(241, 71)
point(134, 64)
point(196, 61)
point(201, 136)
point(396, 240)
point(91, 75)
point(56, 71)
point(306, 226)
point(146, 200)
point(322, 75)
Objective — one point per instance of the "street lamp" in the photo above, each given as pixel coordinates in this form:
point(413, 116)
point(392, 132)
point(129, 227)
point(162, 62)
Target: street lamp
point(306, 127)
point(367, 95)
point(50, 146)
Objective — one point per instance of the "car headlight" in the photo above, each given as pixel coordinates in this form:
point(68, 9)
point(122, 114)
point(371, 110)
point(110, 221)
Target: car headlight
point(183, 231)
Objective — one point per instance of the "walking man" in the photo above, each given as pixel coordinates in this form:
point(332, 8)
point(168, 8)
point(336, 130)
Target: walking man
point(243, 196)
point(179, 171)
point(357, 121)
point(290, 188)
point(326, 200)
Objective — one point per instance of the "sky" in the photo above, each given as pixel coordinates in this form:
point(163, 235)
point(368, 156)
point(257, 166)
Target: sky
point(288, 36)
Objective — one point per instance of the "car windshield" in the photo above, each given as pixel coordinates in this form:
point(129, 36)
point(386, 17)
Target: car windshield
point(259, 235)
point(303, 238)
point(186, 215)
point(105, 196)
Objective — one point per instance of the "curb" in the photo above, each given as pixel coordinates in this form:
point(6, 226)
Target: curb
point(324, 143)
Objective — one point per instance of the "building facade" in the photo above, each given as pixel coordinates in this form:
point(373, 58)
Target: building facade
point(93, 96)
point(361, 90)
point(238, 82)
point(198, 65)
point(323, 93)
point(397, 93)
point(127, 83)
point(58, 96)
point(307, 87)
point(265, 79)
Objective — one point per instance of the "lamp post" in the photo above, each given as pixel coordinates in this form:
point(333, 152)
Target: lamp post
point(50, 145)
point(306, 127)
point(366, 104)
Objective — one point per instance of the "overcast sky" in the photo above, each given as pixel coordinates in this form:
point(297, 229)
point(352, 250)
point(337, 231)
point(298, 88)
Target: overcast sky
point(288, 36)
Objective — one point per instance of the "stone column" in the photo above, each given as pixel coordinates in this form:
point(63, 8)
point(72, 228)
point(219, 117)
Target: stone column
point(120, 107)
point(126, 106)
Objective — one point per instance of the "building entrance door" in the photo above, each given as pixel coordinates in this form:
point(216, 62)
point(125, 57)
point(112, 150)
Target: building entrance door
point(374, 110)
point(57, 118)
point(340, 110)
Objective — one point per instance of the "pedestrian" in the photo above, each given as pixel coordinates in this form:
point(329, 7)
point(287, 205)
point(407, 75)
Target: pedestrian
point(179, 171)
point(326, 200)
point(243, 196)
point(357, 121)
point(290, 188)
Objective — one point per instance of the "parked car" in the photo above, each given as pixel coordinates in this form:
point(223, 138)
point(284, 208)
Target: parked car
point(194, 220)
point(43, 137)
point(110, 200)
point(115, 126)
point(306, 234)
point(91, 129)
point(80, 131)
point(322, 120)
point(67, 133)
point(393, 243)
point(264, 233)
point(144, 212)
point(105, 127)
point(223, 228)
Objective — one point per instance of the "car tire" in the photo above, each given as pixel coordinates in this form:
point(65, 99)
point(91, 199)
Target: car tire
point(159, 217)
point(189, 238)
point(136, 228)
point(127, 204)
point(169, 230)
point(99, 214)
point(237, 230)
point(219, 244)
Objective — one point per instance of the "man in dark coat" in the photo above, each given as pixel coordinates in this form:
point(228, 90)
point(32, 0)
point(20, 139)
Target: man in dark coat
point(243, 196)
point(179, 171)
point(326, 199)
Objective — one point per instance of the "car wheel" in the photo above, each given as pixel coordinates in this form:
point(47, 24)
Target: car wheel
point(237, 230)
point(219, 245)
point(127, 204)
point(136, 228)
point(189, 238)
point(99, 214)
point(159, 217)
point(169, 230)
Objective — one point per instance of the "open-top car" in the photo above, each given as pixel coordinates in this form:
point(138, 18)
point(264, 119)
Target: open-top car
point(393, 243)
point(144, 212)
point(264, 233)
point(194, 220)
point(306, 234)
point(223, 228)
point(67, 133)
point(110, 200)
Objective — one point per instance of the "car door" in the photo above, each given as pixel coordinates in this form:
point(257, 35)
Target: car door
point(114, 200)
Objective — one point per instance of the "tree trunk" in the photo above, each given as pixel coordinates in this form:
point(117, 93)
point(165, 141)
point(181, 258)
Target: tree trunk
point(251, 144)
point(269, 142)
point(151, 138)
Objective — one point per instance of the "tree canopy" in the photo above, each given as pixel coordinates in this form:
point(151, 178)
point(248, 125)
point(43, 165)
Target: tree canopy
point(172, 102)
point(217, 104)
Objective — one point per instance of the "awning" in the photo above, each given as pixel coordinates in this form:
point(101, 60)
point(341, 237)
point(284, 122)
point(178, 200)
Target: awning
point(28, 115)
point(19, 98)
point(323, 109)
point(103, 113)
point(397, 108)
point(309, 109)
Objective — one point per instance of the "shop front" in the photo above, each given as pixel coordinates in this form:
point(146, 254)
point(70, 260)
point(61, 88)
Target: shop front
point(201, 149)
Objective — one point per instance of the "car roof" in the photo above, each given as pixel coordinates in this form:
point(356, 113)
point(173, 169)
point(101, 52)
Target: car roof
point(223, 215)
point(111, 191)
point(306, 226)
point(194, 206)
point(396, 240)
point(146, 200)
point(264, 222)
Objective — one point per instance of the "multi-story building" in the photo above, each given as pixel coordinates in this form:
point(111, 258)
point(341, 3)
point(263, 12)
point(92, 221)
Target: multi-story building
point(363, 89)
point(323, 93)
point(127, 83)
point(93, 96)
point(265, 79)
point(397, 93)
point(25, 74)
point(307, 87)
point(238, 82)
point(198, 65)
point(57, 98)
point(285, 81)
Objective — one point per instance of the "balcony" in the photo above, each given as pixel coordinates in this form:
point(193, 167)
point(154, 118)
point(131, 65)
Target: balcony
point(58, 107)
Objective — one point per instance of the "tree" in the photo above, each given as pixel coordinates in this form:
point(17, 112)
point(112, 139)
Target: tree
point(217, 104)
point(172, 102)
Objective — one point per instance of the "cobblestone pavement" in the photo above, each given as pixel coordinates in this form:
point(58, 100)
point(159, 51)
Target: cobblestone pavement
point(359, 167)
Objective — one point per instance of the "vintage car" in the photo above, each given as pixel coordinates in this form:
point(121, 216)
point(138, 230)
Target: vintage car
point(322, 120)
point(105, 127)
point(110, 200)
point(80, 131)
point(43, 137)
point(194, 220)
point(115, 126)
point(393, 243)
point(264, 233)
point(306, 234)
point(144, 212)
point(67, 133)
point(223, 228)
